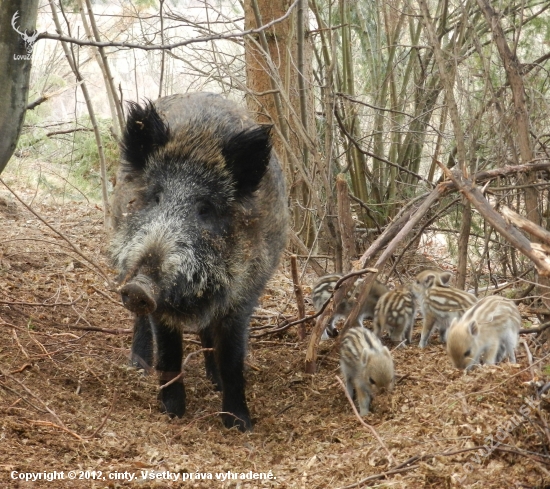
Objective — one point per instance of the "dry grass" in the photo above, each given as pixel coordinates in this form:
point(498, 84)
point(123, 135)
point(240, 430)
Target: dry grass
point(69, 401)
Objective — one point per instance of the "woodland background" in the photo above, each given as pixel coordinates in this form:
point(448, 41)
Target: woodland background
point(411, 133)
point(387, 94)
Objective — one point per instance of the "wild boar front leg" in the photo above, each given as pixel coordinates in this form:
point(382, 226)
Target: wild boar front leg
point(230, 340)
point(170, 353)
point(207, 341)
point(142, 344)
point(427, 329)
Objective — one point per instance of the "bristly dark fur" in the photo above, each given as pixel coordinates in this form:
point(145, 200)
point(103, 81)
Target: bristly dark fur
point(247, 157)
point(144, 133)
point(200, 217)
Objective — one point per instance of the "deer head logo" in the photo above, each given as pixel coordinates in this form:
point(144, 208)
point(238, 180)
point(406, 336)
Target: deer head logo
point(29, 40)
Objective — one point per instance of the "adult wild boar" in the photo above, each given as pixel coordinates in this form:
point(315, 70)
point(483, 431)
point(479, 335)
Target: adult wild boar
point(200, 221)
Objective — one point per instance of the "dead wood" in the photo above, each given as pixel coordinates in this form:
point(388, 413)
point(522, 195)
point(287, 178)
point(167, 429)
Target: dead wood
point(75, 248)
point(345, 223)
point(299, 293)
point(529, 226)
point(537, 331)
point(510, 233)
point(366, 425)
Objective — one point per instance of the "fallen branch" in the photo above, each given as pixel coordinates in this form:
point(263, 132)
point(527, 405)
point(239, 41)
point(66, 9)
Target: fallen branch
point(103, 330)
point(323, 307)
point(396, 232)
point(53, 425)
point(538, 330)
point(42, 304)
point(525, 224)
point(89, 437)
point(60, 234)
point(405, 466)
point(371, 428)
point(510, 233)
point(299, 293)
point(180, 375)
point(68, 131)
point(418, 206)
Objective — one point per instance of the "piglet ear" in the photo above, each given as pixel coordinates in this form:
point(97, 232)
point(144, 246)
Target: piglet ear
point(445, 278)
point(429, 280)
point(144, 133)
point(247, 156)
point(364, 357)
point(473, 328)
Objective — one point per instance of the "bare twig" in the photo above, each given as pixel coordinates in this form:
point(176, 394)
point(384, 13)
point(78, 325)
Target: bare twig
point(107, 296)
point(152, 47)
point(21, 369)
point(16, 338)
point(180, 375)
point(538, 330)
point(60, 234)
point(41, 304)
point(53, 425)
point(371, 428)
point(34, 396)
point(299, 296)
point(324, 306)
point(100, 427)
point(103, 330)
point(529, 358)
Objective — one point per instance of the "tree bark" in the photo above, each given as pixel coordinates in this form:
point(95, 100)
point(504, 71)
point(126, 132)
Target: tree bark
point(345, 223)
point(102, 163)
point(462, 266)
point(14, 71)
point(510, 233)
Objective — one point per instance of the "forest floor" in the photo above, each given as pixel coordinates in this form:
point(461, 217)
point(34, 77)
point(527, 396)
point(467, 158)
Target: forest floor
point(70, 404)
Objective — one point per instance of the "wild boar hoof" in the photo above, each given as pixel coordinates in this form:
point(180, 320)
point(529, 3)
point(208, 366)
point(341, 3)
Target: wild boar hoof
point(172, 400)
point(240, 420)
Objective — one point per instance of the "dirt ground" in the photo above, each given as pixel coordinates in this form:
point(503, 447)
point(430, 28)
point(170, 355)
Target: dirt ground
point(71, 407)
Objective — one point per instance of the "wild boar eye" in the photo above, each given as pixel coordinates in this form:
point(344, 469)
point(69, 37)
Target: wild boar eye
point(205, 210)
point(467, 353)
point(372, 381)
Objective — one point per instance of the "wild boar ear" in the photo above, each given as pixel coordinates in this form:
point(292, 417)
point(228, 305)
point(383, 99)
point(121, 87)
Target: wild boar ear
point(144, 133)
point(473, 328)
point(445, 279)
point(247, 156)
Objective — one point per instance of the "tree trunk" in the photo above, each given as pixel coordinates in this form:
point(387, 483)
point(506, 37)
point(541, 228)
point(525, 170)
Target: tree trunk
point(462, 267)
point(15, 69)
point(278, 61)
